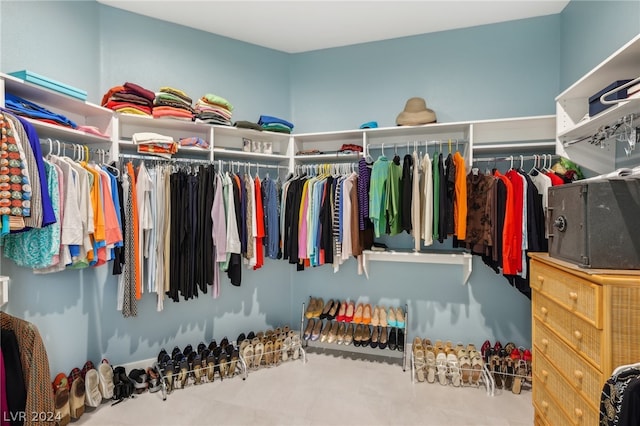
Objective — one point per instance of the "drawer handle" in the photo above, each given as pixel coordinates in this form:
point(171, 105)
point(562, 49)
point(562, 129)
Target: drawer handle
point(545, 374)
point(544, 342)
point(578, 374)
point(578, 334)
point(573, 295)
point(540, 279)
point(544, 310)
point(545, 404)
point(578, 412)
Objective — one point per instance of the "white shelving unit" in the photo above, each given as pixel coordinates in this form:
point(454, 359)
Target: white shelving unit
point(532, 134)
point(572, 107)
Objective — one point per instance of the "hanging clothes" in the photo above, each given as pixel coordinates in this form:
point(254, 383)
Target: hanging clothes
point(378, 195)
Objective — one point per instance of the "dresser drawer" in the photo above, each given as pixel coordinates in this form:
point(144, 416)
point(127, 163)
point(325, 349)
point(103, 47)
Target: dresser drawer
point(570, 402)
point(582, 376)
point(580, 335)
point(547, 409)
point(577, 295)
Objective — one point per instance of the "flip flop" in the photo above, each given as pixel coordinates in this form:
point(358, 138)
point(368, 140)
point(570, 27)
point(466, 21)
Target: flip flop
point(431, 364)
point(296, 344)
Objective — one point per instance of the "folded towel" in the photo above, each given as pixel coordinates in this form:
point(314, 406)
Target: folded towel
point(267, 119)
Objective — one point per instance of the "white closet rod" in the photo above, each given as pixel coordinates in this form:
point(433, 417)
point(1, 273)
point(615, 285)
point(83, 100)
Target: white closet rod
point(168, 160)
point(232, 163)
point(513, 157)
point(419, 143)
point(61, 147)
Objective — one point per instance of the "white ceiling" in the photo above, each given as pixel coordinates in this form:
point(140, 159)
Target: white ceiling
point(304, 25)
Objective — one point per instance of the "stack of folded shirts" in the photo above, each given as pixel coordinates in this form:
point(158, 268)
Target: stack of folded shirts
point(275, 124)
point(213, 109)
point(129, 98)
point(155, 144)
point(25, 108)
point(172, 103)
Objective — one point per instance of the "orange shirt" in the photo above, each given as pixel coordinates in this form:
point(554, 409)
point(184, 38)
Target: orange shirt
point(460, 199)
point(509, 237)
point(136, 240)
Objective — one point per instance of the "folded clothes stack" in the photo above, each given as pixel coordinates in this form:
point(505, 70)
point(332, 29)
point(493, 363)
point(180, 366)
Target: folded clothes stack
point(194, 141)
point(155, 144)
point(213, 109)
point(172, 103)
point(129, 98)
point(25, 108)
point(275, 124)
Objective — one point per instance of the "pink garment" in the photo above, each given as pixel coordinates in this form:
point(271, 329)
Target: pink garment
point(92, 130)
point(112, 231)
point(4, 406)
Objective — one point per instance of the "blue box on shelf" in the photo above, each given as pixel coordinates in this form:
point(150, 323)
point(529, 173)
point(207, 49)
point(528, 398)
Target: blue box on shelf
point(40, 80)
point(596, 107)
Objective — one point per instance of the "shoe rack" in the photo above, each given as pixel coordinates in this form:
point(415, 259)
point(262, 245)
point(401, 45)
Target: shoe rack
point(447, 371)
point(268, 350)
point(398, 353)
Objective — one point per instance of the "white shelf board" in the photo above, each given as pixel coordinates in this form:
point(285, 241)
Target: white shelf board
point(42, 95)
point(589, 126)
point(456, 258)
point(535, 128)
point(324, 137)
point(416, 131)
point(331, 158)
point(229, 153)
point(229, 131)
point(65, 134)
point(622, 64)
point(152, 124)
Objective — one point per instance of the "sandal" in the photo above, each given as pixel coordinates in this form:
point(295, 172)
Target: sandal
point(268, 354)
point(286, 345)
point(258, 352)
point(441, 367)
point(431, 364)
point(419, 362)
point(496, 371)
point(454, 369)
point(465, 367)
point(277, 351)
point(508, 370)
point(296, 345)
point(233, 363)
point(476, 369)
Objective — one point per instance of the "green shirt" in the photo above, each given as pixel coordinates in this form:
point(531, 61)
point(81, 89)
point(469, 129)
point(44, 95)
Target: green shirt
point(377, 195)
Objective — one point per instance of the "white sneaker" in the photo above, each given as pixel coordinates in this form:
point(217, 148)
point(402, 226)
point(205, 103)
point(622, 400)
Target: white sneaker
point(105, 373)
point(93, 397)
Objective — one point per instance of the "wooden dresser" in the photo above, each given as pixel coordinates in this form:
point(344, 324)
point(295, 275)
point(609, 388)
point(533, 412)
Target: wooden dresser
point(585, 324)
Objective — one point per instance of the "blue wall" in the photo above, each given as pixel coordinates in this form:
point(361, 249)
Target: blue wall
point(591, 32)
point(491, 71)
point(501, 70)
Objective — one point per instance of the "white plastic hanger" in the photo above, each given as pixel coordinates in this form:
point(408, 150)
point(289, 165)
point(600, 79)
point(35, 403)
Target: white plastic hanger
point(603, 99)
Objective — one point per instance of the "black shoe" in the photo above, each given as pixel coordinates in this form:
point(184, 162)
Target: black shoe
point(201, 347)
point(224, 342)
point(393, 338)
point(251, 335)
point(400, 340)
point(240, 338)
point(375, 337)
point(383, 338)
point(175, 352)
point(366, 336)
point(213, 345)
point(139, 378)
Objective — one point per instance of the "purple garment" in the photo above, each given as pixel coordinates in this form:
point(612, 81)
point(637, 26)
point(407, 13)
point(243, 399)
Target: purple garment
point(48, 215)
point(364, 178)
point(4, 406)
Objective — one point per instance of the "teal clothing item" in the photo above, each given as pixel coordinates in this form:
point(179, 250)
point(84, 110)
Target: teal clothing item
point(276, 127)
point(436, 195)
point(394, 199)
point(36, 247)
point(377, 195)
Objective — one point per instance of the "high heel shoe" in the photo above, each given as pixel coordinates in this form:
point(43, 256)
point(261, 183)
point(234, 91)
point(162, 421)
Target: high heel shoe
point(309, 329)
point(383, 338)
point(366, 314)
point(317, 329)
point(311, 307)
point(342, 311)
point(357, 335)
point(342, 329)
point(357, 316)
point(326, 309)
point(333, 312)
point(399, 318)
point(233, 363)
point(374, 337)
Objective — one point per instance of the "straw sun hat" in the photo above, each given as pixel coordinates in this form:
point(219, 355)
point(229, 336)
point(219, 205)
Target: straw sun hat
point(416, 113)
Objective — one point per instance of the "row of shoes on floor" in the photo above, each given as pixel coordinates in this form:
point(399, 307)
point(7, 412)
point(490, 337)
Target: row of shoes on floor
point(90, 386)
point(347, 311)
point(189, 366)
point(458, 365)
point(360, 335)
point(269, 348)
point(510, 365)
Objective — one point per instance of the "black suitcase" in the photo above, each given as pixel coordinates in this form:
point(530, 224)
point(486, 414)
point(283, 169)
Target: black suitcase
point(596, 224)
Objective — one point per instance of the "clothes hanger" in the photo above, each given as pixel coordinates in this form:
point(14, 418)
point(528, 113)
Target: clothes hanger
point(603, 99)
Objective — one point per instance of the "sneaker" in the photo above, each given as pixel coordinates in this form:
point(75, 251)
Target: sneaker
point(139, 378)
point(105, 373)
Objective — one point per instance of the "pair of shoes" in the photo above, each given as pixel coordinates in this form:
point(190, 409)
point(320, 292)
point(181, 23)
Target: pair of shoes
point(396, 317)
point(333, 332)
point(419, 359)
point(346, 312)
point(362, 314)
point(330, 310)
point(362, 335)
point(61, 399)
point(314, 309)
point(379, 316)
point(139, 378)
point(77, 393)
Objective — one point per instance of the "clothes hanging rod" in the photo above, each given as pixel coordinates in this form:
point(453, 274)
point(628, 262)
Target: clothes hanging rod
point(168, 160)
point(249, 163)
point(514, 158)
point(419, 143)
